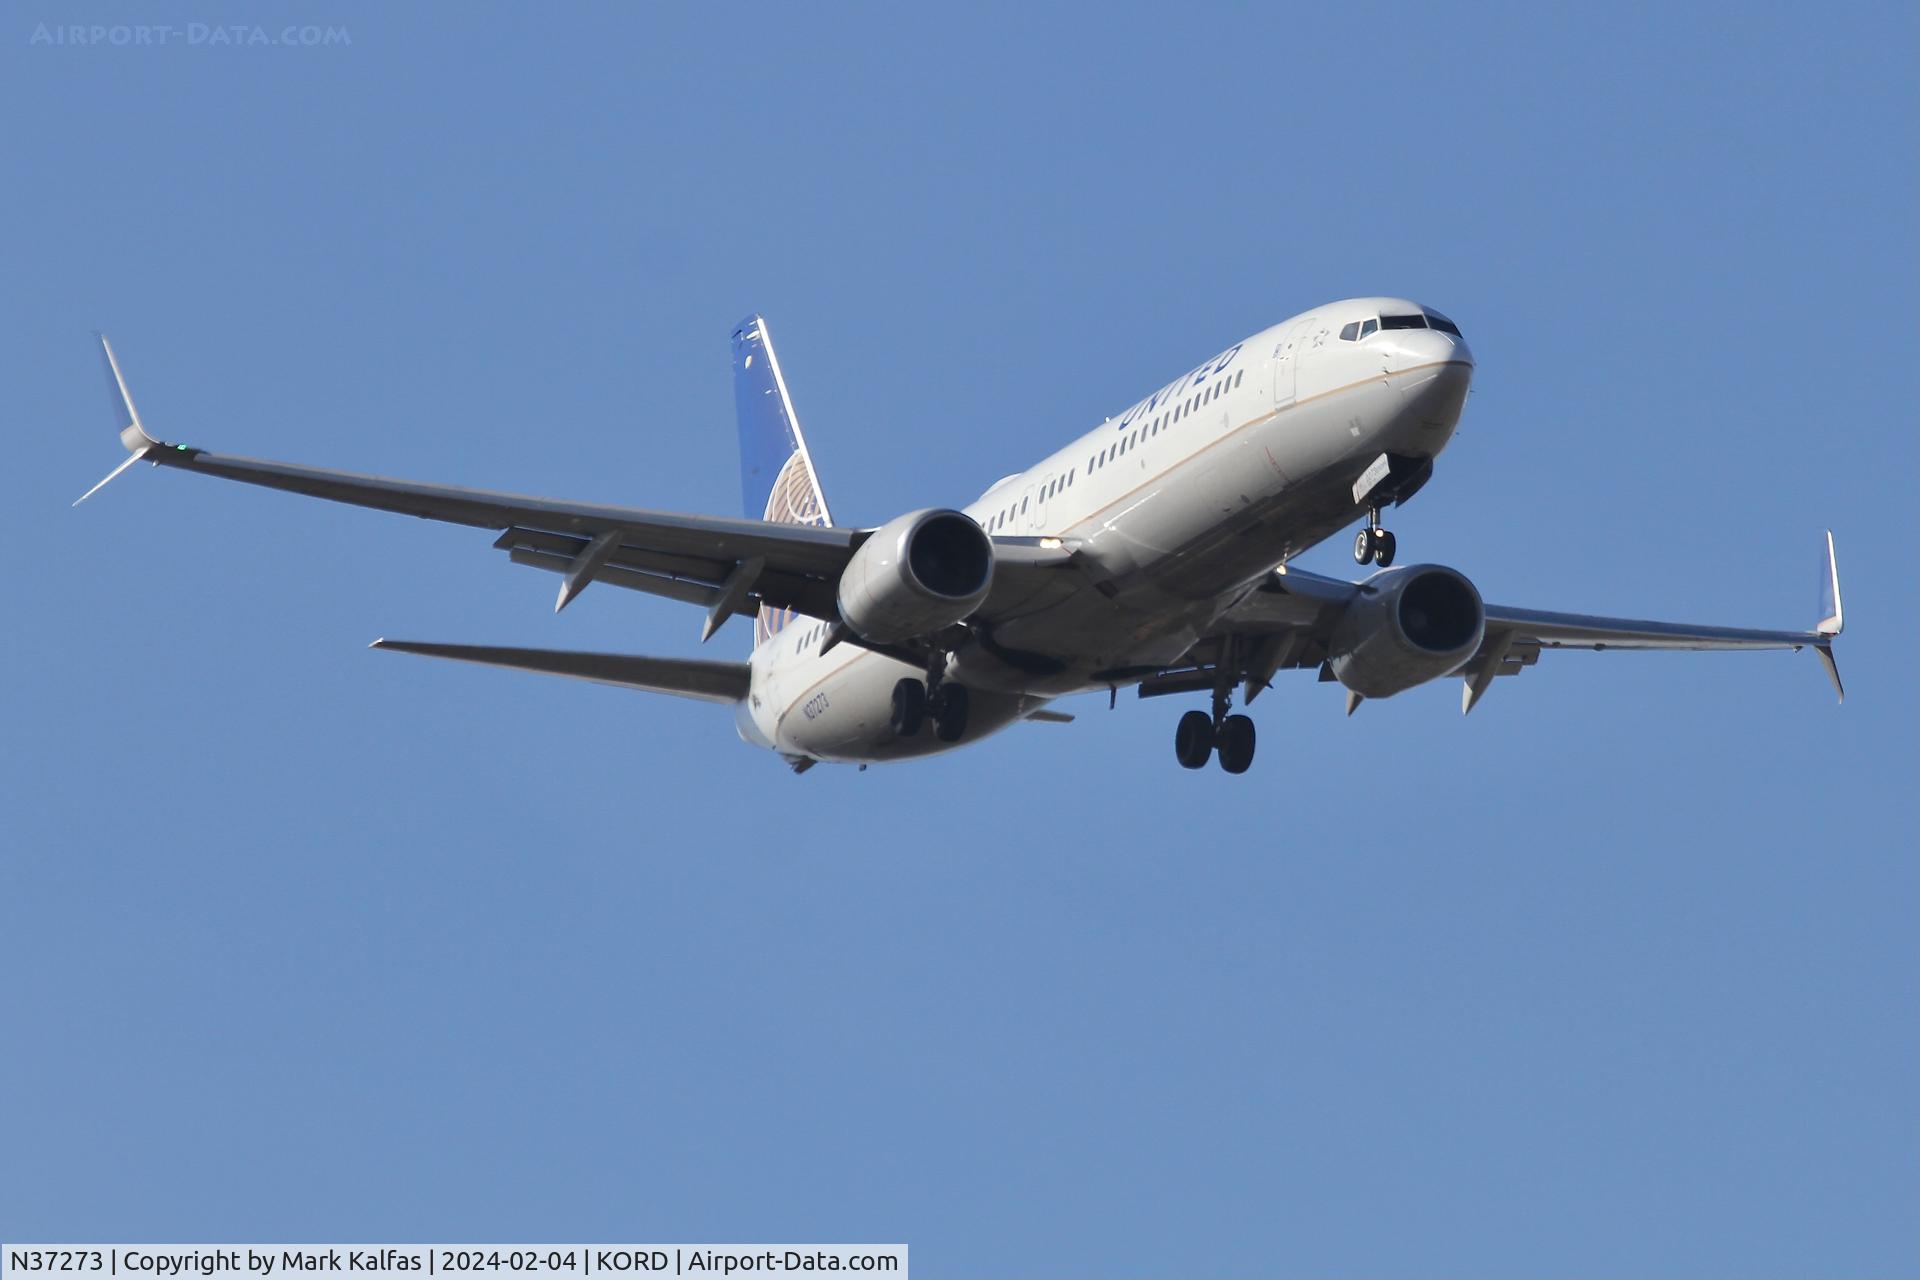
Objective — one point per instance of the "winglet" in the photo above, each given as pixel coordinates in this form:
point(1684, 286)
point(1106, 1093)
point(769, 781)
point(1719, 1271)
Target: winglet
point(1833, 620)
point(126, 418)
point(1833, 671)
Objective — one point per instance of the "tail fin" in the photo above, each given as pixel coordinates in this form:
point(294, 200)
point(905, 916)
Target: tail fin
point(777, 480)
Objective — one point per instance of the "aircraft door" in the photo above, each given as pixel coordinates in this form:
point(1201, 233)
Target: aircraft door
point(1286, 363)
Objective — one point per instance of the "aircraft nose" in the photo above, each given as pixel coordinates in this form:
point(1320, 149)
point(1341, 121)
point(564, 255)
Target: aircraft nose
point(1418, 348)
point(1438, 371)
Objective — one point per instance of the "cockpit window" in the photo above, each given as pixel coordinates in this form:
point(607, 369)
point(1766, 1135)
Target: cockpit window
point(1369, 327)
point(1403, 322)
point(1443, 324)
point(1351, 332)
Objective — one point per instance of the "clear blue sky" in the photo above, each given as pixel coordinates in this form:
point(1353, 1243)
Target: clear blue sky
point(1617, 977)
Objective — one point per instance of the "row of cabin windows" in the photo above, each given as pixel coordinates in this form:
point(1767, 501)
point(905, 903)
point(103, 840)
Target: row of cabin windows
point(1127, 442)
point(1005, 517)
point(812, 635)
point(1427, 320)
point(1047, 490)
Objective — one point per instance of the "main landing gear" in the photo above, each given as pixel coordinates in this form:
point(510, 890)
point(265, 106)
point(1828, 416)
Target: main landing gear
point(1200, 735)
point(915, 702)
point(1373, 545)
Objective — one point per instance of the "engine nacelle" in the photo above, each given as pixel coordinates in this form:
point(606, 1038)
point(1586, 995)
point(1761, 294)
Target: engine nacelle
point(915, 575)
point(1406, 627)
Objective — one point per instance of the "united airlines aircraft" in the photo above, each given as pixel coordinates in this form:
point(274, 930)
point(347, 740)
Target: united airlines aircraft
point(1151, 553)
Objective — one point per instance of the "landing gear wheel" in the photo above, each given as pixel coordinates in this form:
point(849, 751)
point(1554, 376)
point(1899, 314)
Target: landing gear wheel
point(1193, 740)
point(1236, 744)
point(949, 709)
point(909, 708)
point(1374, 545)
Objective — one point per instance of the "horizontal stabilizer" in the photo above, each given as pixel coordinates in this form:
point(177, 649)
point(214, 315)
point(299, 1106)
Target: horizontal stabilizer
point(686, 677)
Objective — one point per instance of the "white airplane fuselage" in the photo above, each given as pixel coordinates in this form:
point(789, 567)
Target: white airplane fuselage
point(1177, 508)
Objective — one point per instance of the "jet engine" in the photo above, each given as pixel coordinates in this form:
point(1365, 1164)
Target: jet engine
point(916, 574)
point(1406, 626)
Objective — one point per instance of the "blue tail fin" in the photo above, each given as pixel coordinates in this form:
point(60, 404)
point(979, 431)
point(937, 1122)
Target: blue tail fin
point(777, 480)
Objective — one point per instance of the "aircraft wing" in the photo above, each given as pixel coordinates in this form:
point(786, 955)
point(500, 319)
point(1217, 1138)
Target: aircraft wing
point(680, 556)
point(1515, 637)
point(647, 550)
point(1286, 620)
point(726, 565)
point(729, 565)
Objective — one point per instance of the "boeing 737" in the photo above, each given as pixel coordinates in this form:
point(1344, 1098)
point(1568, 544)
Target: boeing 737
point(1152, 552)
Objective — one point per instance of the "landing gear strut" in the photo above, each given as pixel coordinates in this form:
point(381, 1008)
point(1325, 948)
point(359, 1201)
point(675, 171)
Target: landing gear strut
point(1200, 735)
point(1373, 545)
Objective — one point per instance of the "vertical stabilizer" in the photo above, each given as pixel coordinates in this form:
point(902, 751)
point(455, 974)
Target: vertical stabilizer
point(777, 479)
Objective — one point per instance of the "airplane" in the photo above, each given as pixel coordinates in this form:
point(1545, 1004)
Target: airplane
point(1152, 552)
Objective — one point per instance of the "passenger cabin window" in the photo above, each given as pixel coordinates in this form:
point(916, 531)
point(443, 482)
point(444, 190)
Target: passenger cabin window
point(1403, 322)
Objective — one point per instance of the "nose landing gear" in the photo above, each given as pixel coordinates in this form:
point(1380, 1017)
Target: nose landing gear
point(1374, 545)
